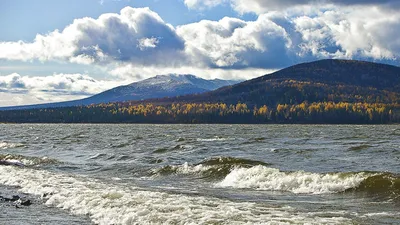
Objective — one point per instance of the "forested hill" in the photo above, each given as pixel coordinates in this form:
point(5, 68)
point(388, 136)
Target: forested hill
point(321, 81)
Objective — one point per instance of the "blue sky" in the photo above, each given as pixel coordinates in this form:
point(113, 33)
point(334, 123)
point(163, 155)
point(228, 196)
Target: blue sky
point(62, 50)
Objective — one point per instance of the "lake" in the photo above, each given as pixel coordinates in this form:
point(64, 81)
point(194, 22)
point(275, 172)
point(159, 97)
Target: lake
point(200, 174)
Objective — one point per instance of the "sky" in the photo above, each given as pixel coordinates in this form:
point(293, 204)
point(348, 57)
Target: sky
point(62, 50)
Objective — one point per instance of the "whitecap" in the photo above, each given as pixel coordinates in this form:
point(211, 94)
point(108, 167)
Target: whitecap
point(6, 145)
point(27, 160)
point(216, 138)
point(381, 214)
point(97, 156)
point(271, 179)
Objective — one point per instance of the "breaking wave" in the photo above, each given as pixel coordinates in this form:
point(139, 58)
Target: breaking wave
point(300, 182)
point(216, 138)
point(27, 160)
point(7, 145)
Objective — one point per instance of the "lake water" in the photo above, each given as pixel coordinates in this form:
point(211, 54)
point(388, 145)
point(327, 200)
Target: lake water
point(201, 174)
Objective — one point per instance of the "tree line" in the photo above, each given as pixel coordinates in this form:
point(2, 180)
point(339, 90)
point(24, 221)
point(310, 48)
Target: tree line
point(316, 112)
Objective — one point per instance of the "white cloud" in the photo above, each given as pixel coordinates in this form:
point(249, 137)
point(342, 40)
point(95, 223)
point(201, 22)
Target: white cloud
point(57, 87)
point(315, 29)
point(344, 34)
point(145, 43)
point(203, 4)
point(233, 43)
point(129, 71)
point(111, 37)
point(14, 99)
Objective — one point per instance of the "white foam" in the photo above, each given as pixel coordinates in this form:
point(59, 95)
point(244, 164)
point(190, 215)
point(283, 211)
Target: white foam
point(188, 169)
point(27, 161)
point(98, 155)
point(6, 145)
point(216, 138)
point(382, 214)
point(270, 179)
point(14, 162)
point(185, 169)
point(107, 203)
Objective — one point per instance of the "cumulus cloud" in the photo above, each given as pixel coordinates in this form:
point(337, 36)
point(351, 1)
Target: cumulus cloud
point(279, 39)
point(111, 37)
point(341, 34)
point(233, 43)
point(57, 87)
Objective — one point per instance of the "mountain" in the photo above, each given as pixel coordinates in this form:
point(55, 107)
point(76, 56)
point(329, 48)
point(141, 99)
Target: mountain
point(320, 81)
point(159, 86)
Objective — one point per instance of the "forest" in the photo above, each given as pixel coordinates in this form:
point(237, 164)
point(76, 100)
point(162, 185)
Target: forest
point(315, 113)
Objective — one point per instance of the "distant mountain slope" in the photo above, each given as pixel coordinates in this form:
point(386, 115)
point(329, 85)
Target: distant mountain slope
point(320, 81)
point(160, 86)
point(156, 87)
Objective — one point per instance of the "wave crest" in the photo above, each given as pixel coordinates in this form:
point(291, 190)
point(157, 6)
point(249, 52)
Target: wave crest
point(271, 179)
point(27, 160)
point(213, 168)
point(385, 185)
point(7, 145)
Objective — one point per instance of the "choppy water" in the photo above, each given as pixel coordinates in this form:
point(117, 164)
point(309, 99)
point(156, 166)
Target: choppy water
point(201, 174)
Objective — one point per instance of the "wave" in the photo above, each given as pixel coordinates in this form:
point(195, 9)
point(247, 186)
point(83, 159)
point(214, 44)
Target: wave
point(98, 156)
point(109, 157)
point(180, 139)
point(254, 140)
point(210, 168)
point(122, 145)
point(11, 162)
point(216, 138)
point(271, 179)
point(75, 135)
point(7, 145)
point(359, 147)
point(380, 185)
point(300, 182)
point(177, 147)
point(27, 160)
point(113, 203)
